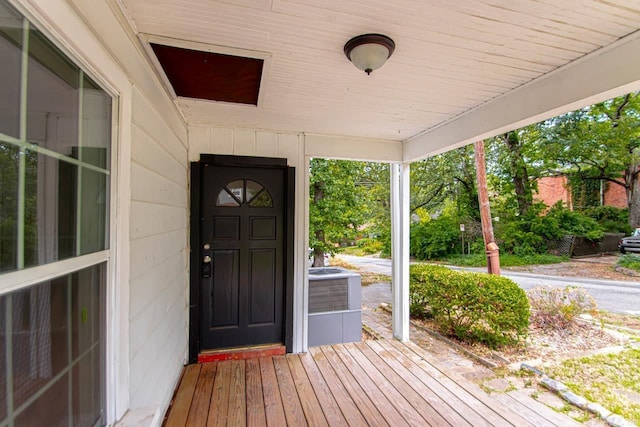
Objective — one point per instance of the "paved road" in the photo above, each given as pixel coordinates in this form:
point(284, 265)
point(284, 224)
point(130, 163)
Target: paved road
point(611, 295)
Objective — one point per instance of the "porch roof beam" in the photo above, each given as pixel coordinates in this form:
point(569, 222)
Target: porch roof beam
point(606, 73)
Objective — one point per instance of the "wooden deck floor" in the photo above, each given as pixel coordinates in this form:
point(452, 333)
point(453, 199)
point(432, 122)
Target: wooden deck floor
point(377, 383)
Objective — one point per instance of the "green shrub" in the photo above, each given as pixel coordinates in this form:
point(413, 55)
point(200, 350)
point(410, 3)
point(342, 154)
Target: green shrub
point(558, 308)
point(630, 261)
point(469, 306)
point(370, 246)
point(610, 219)
point(435, 238)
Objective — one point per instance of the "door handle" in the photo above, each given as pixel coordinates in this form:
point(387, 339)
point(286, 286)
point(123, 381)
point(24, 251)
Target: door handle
point(206, 267)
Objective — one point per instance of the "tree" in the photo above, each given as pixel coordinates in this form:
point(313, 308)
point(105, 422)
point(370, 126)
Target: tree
point(337, 205)
point(447, 176)
point(599, 142)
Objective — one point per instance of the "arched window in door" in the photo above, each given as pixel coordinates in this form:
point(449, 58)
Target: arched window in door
point(244, 191)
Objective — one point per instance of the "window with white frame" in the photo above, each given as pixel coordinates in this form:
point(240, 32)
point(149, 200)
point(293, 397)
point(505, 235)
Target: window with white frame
point(55, 151)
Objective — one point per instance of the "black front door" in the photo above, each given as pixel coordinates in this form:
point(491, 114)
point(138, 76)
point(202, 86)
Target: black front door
point(242, 250)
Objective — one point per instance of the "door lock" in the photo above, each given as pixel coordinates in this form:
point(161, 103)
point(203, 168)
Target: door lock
point(206, 266)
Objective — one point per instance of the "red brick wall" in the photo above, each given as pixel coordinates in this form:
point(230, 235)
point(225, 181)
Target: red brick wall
point(552, 189)
point(615, 195)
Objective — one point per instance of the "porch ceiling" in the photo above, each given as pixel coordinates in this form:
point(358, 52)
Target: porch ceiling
point(451, 58)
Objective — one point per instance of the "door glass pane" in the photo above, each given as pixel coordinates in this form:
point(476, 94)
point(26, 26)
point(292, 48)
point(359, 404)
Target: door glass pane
point(96, 124)
point(9, 165)
point(262, 200)
point(252, 189)
point(10, 66)
point(53, 96)
point(226, 199)
point(237, 189)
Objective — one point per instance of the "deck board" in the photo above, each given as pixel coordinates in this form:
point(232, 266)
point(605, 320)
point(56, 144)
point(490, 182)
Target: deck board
point(255, 400)
point(184, 397)
point(237, 395)
point(432, 408)
point(411, 413)
point(271, 391)
point(310, 404)
point(368, 383)
point(463, 386)
point(290, 399)
point(199, 411)
point(219, 407)
point(370, 389)
point(547, 414)
point(356, 393)
point(328, 403)
point(347, 406)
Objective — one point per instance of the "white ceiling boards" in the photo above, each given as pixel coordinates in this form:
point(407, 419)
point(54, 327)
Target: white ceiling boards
point(451, 60)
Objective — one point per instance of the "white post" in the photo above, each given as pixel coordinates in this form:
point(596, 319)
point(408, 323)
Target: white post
point(400, 249)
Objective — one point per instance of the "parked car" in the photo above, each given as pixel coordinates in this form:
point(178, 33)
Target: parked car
point(630, 243)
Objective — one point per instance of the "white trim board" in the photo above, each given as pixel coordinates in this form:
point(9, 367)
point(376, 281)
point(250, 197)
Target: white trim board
point(606, 73)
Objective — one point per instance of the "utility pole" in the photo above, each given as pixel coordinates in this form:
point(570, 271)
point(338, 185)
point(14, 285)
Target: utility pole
point(491, 248)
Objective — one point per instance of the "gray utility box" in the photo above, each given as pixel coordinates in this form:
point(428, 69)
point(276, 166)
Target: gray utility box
point(335, 307)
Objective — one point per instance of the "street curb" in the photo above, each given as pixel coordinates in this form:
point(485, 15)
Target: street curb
point(481, 360)
point(563, 391)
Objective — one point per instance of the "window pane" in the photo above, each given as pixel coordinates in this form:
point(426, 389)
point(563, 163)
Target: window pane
point(94, 210)
point(262, 200)
point(10, 66)
point(53, 97)
point(9, 165)
point(252, 189)
point(50, 210)
point(48, 381)
point(96, 125)
point(237, 189)
point(40, 337)
point(226, 199)
point(31, 221)
point(3, 360)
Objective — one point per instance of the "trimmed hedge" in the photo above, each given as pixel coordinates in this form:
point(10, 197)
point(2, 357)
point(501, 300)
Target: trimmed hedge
point(470, 306)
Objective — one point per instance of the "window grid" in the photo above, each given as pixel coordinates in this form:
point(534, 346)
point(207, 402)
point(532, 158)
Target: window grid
point(23, 145)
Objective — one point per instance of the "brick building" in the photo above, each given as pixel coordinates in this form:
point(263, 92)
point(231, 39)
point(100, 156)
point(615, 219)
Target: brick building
point(554, 189)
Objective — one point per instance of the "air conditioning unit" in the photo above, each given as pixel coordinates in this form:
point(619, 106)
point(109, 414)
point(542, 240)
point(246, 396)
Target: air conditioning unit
point(335, 307)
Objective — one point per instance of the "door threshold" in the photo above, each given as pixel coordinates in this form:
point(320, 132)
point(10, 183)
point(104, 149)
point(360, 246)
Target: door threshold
point(241, 353)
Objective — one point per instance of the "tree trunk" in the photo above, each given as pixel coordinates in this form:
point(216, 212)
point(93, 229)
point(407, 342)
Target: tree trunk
point(519, 173)
point(318, 252)
point(633, 195)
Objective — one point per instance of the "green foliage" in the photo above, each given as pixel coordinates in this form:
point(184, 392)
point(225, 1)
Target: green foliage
point(506, 260)
point(469, 306)
point(530, 234)
point(370, 246)
point(630, 261)
point(559, 307)
point(610, 219)
point(337, 206)
point(435, 238)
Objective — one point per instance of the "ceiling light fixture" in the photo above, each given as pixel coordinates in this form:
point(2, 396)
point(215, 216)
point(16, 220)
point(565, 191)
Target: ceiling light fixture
point(369, 52)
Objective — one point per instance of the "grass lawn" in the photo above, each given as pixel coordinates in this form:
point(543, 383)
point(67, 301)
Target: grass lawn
point(506, 260)
point(630, 261)
point(613, 380)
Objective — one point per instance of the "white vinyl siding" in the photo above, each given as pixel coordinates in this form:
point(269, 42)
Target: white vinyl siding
point(158, 231)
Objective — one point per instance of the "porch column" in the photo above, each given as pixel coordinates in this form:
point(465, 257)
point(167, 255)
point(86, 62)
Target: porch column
point(400, 249)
